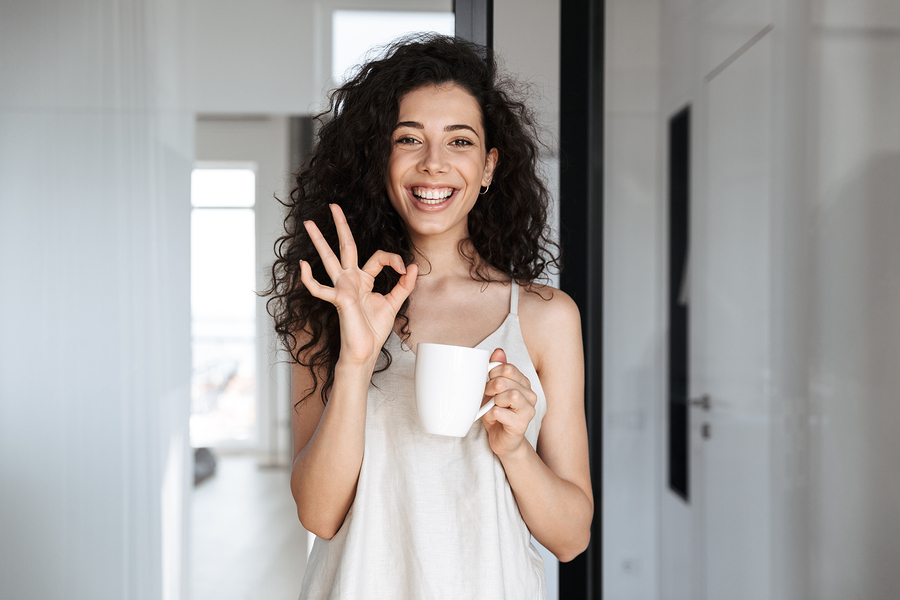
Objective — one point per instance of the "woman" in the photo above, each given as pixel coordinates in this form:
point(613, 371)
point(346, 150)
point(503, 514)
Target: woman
point(426, 175)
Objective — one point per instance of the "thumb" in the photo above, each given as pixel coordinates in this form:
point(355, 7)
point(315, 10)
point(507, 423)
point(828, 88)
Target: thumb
point(498, 355)
point(404, 287)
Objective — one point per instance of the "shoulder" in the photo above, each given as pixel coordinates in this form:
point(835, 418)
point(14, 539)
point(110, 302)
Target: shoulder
point(548, 306)
point(550, 322)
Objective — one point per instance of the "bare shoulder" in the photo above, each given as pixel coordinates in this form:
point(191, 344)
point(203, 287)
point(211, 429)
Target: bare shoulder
point(539, 302)
point(550, 322)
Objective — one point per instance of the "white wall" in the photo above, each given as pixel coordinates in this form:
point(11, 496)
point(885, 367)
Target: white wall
point(853, 321)
point(95, 155)
point(269, 56)
point(526, 41)
point(633, 302)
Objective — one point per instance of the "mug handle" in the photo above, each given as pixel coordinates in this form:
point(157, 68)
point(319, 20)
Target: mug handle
point(490, 403)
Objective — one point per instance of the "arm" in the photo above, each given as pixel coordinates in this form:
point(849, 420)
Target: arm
point(552, 484)
point(328, 447)
point(329, 440)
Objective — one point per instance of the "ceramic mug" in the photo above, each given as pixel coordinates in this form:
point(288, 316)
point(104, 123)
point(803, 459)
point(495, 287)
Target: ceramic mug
point(450, 386)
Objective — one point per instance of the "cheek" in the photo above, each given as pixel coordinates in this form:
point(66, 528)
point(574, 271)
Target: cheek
point(479, 169)
point(391, 172)
point(396, 169)
point(393, 194)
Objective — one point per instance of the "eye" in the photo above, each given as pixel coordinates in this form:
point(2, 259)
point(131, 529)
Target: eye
point(406, 140)
point(461, 143)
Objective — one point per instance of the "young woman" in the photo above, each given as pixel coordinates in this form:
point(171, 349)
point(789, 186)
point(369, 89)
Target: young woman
point(421, 218)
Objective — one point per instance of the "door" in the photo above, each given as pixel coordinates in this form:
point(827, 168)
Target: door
point(729, 333)
point(716, 538)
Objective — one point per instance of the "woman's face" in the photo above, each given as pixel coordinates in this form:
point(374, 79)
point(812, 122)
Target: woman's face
point(438, 162)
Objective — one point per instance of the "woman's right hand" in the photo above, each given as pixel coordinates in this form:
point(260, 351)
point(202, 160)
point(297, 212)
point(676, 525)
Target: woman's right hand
point(366, 317)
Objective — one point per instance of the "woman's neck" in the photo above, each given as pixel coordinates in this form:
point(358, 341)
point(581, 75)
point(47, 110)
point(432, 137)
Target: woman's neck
point(442, 258)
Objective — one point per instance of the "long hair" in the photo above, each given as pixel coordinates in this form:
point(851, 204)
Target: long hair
point(507, 226)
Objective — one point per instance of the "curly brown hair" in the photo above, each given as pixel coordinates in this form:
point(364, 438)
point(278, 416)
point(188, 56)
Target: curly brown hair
point(507, 226)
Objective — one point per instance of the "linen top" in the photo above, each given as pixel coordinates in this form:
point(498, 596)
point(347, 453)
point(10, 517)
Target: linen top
point(434, 517)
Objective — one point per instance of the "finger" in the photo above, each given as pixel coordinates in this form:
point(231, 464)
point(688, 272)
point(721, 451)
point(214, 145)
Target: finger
point(508, 399)
point(498, 355)
point(329, 260)
point(508, 371)
point(515, 401)
point(382, 259)
point(315, 288)
point(404, 287)
point(507, 390)
point(516, 423)
point(488, 418)
point(349, 257)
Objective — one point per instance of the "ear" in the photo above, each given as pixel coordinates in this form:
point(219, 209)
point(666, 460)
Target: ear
point(490, 163)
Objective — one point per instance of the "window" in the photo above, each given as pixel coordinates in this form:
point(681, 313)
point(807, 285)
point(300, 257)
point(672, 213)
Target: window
point(223, 306)
point(355, 32)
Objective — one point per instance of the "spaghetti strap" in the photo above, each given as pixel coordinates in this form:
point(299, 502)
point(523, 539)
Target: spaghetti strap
point(514, 298)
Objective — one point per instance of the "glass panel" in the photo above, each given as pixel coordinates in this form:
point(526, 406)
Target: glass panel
point(223, 187)
point(223, 326)
point(355, 32)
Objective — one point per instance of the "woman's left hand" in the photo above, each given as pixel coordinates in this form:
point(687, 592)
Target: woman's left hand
point(514, 399)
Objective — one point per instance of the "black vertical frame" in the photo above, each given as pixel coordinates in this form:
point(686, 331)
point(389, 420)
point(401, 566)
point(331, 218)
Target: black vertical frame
point(679, 236)
point(475, 21)
point(581, 237)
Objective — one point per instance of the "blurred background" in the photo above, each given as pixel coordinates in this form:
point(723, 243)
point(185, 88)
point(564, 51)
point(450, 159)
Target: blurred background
point(742, 277)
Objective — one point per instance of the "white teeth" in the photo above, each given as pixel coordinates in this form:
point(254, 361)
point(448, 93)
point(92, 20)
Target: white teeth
point(432, 196)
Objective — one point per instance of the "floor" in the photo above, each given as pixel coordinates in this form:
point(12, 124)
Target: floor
point(246, 543)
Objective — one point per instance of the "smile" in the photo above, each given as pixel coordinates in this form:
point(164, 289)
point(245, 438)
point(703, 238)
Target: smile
point(432, 195)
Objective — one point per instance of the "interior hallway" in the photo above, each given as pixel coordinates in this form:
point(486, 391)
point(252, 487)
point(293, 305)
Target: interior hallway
point(246, 540)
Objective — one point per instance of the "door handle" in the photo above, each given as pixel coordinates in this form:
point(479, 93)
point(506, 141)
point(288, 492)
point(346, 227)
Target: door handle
point(703, 402)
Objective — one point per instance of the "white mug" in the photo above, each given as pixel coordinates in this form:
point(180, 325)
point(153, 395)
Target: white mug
point(450, 386)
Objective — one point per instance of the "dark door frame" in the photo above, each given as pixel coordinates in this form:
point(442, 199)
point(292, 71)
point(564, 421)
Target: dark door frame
point(581, 238)
point(581, 227)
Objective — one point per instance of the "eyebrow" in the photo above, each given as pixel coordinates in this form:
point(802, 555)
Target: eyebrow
point(417, 125)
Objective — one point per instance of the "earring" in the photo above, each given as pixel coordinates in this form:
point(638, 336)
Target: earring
point(485, 189)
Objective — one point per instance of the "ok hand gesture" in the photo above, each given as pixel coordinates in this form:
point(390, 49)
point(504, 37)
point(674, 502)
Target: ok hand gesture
point(366, 317)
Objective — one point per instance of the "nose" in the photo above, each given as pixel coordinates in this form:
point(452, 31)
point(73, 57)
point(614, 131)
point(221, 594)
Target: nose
point(434, 159)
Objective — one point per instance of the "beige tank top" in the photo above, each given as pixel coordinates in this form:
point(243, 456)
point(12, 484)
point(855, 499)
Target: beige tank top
point(434, 517)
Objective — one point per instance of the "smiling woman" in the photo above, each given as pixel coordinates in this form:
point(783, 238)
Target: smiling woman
point(439, 161)
point(421, 218)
